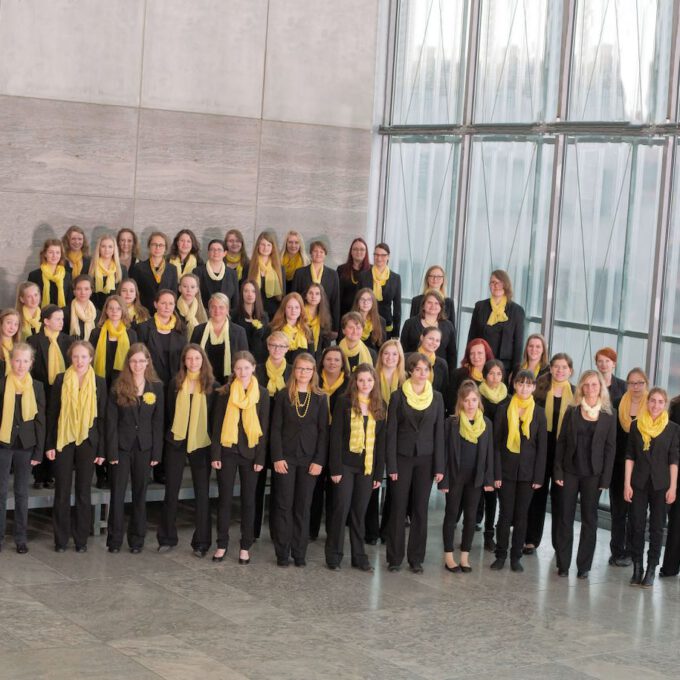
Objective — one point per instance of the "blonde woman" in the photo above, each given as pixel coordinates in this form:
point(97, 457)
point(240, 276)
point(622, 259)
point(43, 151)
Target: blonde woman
point(190, 307)
point(293, 256)
point(76, 251)
point(266, 271)
point(28, 306)
point(105, 269)
point(52, 277)
point(435, 279)
point(10, 334)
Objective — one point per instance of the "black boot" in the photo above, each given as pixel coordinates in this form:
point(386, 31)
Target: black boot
point(650, 574)
point(636, 579)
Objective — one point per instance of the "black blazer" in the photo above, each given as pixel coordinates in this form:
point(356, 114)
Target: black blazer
point(333, 399)
point(654, 464)
point(506, 338)
point(271, 304)
point(529, 464)
point(340, 454)
point(139, 425)
point(171, 403)
point(617, 389)
point(329, 282)
point(96, 434)
point(238, 340)
point(602, 453)
point(485, 454)
point(256, 337)
point(303, 440)
point(94, 339)
point(149, 335)
point(36, 277)
point(227, 285)
point(27, 434)
point(458, 377)
point(490, 408)
point(83, 270)
point(263, 378)
point(81, 325)
point(449, 309)
point(390, 306)
point(348, 289)
point(241, 448)
point(147, 285)
point(41, 344)
point(413, 329)
point(100, 298)
point(408, 437)
point(440, 378)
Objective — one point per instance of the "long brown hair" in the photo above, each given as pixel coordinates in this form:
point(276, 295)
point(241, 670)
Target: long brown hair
point(279, 320)
point(48, 244)
point(375, 404)
point(313, 383)
point(373, 315)
point(241, 355)
point(242, 254)
point(258, 307)
point(323, 310)
point(125, 317)
point(135, 241)
point(254, 269)
point(124, 389)
point(85, 250)
point(141, 312)
point(10, 311)
point(205, 377)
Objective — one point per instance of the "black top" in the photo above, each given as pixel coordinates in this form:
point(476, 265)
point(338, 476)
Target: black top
point(617, 389)
point(263, 378)
point(440, 379)
point(449, 309)
point(458, 377)
point(228, 285)
point(36, 277)
point(506, 338)
point(271, 304)
point(461, 455)
point(41, 344)
point(329, 282)
point(111, 347)
point(81, 324)
point(333, 399)
point(237, 343)
point(390, 306)
point(83, 270)
point(413, 329)
point(653, 465)
point(255, 337)
point(165, 348)
point(490, 408)
point(26, 434)
point(585, 429)
point(100, 298)
point(171, 404)
point(146, 282)
point(349, 287)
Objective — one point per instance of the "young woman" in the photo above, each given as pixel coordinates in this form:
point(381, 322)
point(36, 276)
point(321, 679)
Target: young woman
point(291, 320)
point(22, 437)
point(651, 480)
point(265, 269)
point(28, 306)
point(185, 252)
point(76, 251)
point(190, 309)
point(10, 334)
point(75, 441)
point(534, 357)
point(106, 270)
point(215, 276)
point(468, 436)
point(605, 361)
point(250, 315)
point(189, 406)
point(671, 556)
point(584, 459)
point(299, 449)
point(500, 321)
point(128, 248)
point(374, 325)
point(154, 274)
point(356, 463)
point(435, 279)
point(80, 317)
point(386, 285)
point(52, 277)
point(351, 345)
point(415, 456)
point(520, 435)
point(129, 293)
point(318, 319)
point(239, 442)
point(293, 256)
point(235, 254)
point(477, 353)
point(220, 338)
point(430, 341)
point(51, 347)
point(348, 274)
point(134, 442)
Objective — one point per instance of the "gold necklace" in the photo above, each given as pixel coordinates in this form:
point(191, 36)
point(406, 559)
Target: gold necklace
point(304, 405)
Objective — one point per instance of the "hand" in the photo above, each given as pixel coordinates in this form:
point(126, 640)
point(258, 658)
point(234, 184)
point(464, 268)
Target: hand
point(438, 477)
point(670, 496)
point(153, 463)
point(536, 486)
point(376, 484)
point(51, 454)
point(444, 490)
point(35, 462)
point(315, 469)
point(559, 482)
point(99, 460)
point(627, 493)
point(216, 465)
point(394, 476)
point(489, 488)
point(281, 467)
point(258, 468)
point(336, 479)
point(113, 462)
point(498, 483)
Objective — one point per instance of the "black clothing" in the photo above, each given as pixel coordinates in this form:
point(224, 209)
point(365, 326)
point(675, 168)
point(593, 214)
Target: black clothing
point(390, 306)
point(329, 282)
point(505, 338)
point(148, 286)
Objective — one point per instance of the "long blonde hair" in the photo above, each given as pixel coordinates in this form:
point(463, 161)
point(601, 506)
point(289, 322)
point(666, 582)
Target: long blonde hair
point(303, 250)
point(400, 368)
point(115, 257)
point(254, 269)
point(291, 385)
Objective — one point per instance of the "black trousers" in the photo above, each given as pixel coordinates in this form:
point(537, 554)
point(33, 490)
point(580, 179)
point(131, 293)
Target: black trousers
point(259, 497)
point(622, 527)
point(133, 466)
point(462, 495)
point(539, 504)
point(656, 502)
point(226, 477)
point(486, 510)
point(81, 459)
point(372, 520)
point(21, 460)
point(44, 472)
point(415, 477)
point(322, 500)
point(515, 498)
point(671, 556)
point(349, 497)
point(290, 511)
point(587, 488)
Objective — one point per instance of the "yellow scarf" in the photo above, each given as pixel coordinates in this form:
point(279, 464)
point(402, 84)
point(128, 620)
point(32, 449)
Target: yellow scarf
point(219, 339)
point(297, 338)
point(417, 401)
point(312, 272)
point(30, 323)
point(57, 279)
point(193, 314)
point(291, 263)
point(567, 398)
point(122, 347)
point(525, 367)
point(157, 272)
point(189, 265)
point(7, 346)
point(78, 408)
point(625, 419)
point(242, 403)
point(88, 317)
point(55, 359)
point(275, 381)
point(360, 349)
point(330, 389)
point(476, 374)
point(272, 284)
point(132, 312)
point(105, 278)
point(191, 415)
point(29, 406)
point(314, 324)
point(379, 280)
point(236, 259)
point(368, 329)
point(431, 357)
point(75, 257)
point(387, 389)
point(361, 440)
point(495, 395)
point(472, 432)
point(514, 419)
point(649, 428)
point(160, 326)
point(498, 314)
point(220, 274)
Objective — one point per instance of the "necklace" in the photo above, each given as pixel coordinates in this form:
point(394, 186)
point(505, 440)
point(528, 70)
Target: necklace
point(304, 405)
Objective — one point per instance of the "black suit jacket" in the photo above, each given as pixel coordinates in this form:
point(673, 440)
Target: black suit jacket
point(440, 379)
point(41, 344)
point(227, 285)
point(330, 283)
point(149, 335)
point(238, 340)
point(508, 344)
point(390, 306)
point(485, 454)
point(256, 337)
point(654, 464)
point(36, 277)
point(171, 403)
point(449, 309)
point(67, 322)
point(263, 378)
point(27, 434)
point(147, 285)
point(83, 270)
point(413, 329)
point(100, 298)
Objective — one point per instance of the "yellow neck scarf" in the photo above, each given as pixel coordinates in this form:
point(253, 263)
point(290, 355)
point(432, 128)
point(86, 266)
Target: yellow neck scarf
point(495, 395)
point(272, 283)
point(275, 381)
point(291, 263)
point(57, 279)
point(220, 272)
point(476, 374)
point(221, 338)
point(193, 314)
point(387, 389)
point(88, 317)
point(105, 277)
point(567, 398)
point(431, 357)
point(132, 312)
point(122, 347)
point(314, 324)
point(75, 257)
point(316, 278)
point(498, 314)
point(421, 401)
point(29, 406)
point(536, 370)
point(649, 428)
point(7, 345)
point(359, 348)
point(55, 359)
point(189, 265)
point(242, 403)
point(297, 338)
point(235, 260)
point(368, 329)
point(514, 420)
point(30, 322)
point(160, 326)
point(78, 408)
point(361, 440)
point(379, 280)
point(625, 404)
point(191, 415)
point(157, 271)
point(331, 388)
point(471, 432)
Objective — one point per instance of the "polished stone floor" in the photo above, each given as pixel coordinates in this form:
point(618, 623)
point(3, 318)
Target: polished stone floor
point(175, 616)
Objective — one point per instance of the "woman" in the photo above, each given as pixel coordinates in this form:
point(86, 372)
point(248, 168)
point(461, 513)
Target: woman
point(299, 450)
point(435, 279)
point(291, 320)
point(134, 442)
point(651, 480)
point(470, 466)
point(355, 463)
point(500, 321)
point(293, 256)
point(28, 306)
point(239, 442)
point(154, 274)
point(106, 270)
point(235, 254)
point(671, 556)
point(80, 317)
point(555, 394)
point(10, 334)
point(386, 285)
point(51, 347)
point(189, 407)
point(265, 269)
point(605, 361)
point(52, 277)
point(430, 341)
point(351, 345)
point(415, 456)
point(250, 315)
point(317, 272)
point(128, 291)
point(584, 459)
point(76, 251)
point(374, 325)
point(348, 274)
point(215, 276)
point(318, 319)
point(220, 338)
point(190, 309)
point(22, 437)
point(534, 357)
point(477, 353)
point(128, 248)
point(75, 441)
point(520, 435)
point(628, 408)
point(185, 252)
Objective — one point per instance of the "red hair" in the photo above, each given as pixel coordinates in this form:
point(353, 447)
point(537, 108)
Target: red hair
point(477, 341)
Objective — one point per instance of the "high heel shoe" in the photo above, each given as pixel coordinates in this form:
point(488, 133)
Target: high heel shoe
point(219, 558)
point(244, 560)
point(636, 578)
point(466, 568)
point(453, 570)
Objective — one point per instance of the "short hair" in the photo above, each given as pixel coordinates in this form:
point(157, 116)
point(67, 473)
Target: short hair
point(524, 377)
point(608, 352)
point(414, 359)
point(354, 317)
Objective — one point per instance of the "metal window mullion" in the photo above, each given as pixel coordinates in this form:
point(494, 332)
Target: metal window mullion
point(566, 56)
point(674, 70)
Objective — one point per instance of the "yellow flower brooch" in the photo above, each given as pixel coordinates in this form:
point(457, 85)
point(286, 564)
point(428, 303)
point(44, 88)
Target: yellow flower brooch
point(149, 398)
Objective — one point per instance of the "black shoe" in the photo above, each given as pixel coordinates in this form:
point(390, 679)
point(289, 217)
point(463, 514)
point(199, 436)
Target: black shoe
point(516, 565)
point(498, 564)
point(454, 570)
point(164, 548)
point(59, 548)
point(393, 567)
point(244, 560)
point(200, 552)
point(650, 574)
point(371, 541)
point(664, 574)
point(37, 485)
point(102, 484)
point(300, 563)
point(416, 568)
point(582, 573)
point(333, 567)
point(219, 558)
point(636, 578)
point(528, 551)
point(466, 570)
point(81, 548)
point(136, 549)
point(489, 544)
point(113, 549)
point(624, 561)
point(478, 527)
point(49, 484)
point(313, 538)
point(364, 567)
point(22, 548)
point(283, 562)
point(563, 572)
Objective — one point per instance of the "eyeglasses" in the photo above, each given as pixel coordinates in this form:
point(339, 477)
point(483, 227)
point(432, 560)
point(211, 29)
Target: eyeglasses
point(277, 346)
point(436, 277)
point(304, 369)
point(156, 245)
point(637, 383)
